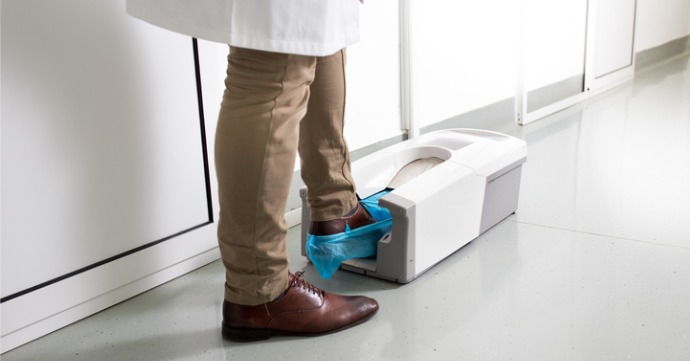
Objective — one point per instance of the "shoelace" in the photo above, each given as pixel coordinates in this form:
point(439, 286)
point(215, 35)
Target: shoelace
point(298, 281)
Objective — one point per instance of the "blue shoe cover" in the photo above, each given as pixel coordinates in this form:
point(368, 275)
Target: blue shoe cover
point(328, 252)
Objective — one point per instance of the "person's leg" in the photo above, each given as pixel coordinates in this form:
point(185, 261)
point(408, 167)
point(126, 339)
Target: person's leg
point(323, 150)
point(256, 141)
point(324, 153)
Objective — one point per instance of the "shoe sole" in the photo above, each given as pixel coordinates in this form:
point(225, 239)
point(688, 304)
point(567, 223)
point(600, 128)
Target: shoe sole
point(237, 334)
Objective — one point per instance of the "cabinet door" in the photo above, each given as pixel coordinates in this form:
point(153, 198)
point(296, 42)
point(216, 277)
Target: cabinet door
point(105, 179)
point(610, 44)
point(613, 40)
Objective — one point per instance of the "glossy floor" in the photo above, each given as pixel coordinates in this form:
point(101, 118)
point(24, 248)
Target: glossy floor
point(595, 265)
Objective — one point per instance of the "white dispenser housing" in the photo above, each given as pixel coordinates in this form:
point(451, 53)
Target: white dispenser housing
point(444, 208)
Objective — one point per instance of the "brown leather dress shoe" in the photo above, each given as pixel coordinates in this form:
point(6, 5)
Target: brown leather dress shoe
point(358, 217)
point(303, 310)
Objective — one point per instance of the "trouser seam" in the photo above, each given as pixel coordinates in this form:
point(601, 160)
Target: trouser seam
point(262, 176)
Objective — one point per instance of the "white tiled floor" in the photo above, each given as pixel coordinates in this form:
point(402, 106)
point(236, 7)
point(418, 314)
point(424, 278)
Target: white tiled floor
point(595, 265)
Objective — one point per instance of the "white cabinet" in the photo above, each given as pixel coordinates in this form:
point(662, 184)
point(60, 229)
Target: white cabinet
point(105, 181)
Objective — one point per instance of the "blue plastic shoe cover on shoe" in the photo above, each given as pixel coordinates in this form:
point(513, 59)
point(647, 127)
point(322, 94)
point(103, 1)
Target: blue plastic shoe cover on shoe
point(328, 252)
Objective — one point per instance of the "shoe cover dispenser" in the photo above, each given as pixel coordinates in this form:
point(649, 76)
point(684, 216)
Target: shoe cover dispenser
point(442, 189)
point(328, 252)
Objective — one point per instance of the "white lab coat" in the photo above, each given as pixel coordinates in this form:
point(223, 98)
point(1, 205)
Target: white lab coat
point(305, 27)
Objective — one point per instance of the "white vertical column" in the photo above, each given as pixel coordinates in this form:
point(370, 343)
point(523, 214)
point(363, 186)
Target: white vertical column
point(408, 121)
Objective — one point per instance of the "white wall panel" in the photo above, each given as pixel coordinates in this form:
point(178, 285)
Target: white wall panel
point(464, 56)
point(614, 29)
point(660, 21)
point(373, 77)
point(554, 41)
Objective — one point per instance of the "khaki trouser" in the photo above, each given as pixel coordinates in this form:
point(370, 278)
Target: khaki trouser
point(273, 105)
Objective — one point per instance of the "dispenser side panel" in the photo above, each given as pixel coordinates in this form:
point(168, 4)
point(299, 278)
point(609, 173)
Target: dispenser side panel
point(448, 220)
point(501, 198)
point(395, 257)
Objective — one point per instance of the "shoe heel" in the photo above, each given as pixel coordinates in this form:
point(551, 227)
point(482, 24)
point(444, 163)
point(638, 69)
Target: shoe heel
point(244, 334)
